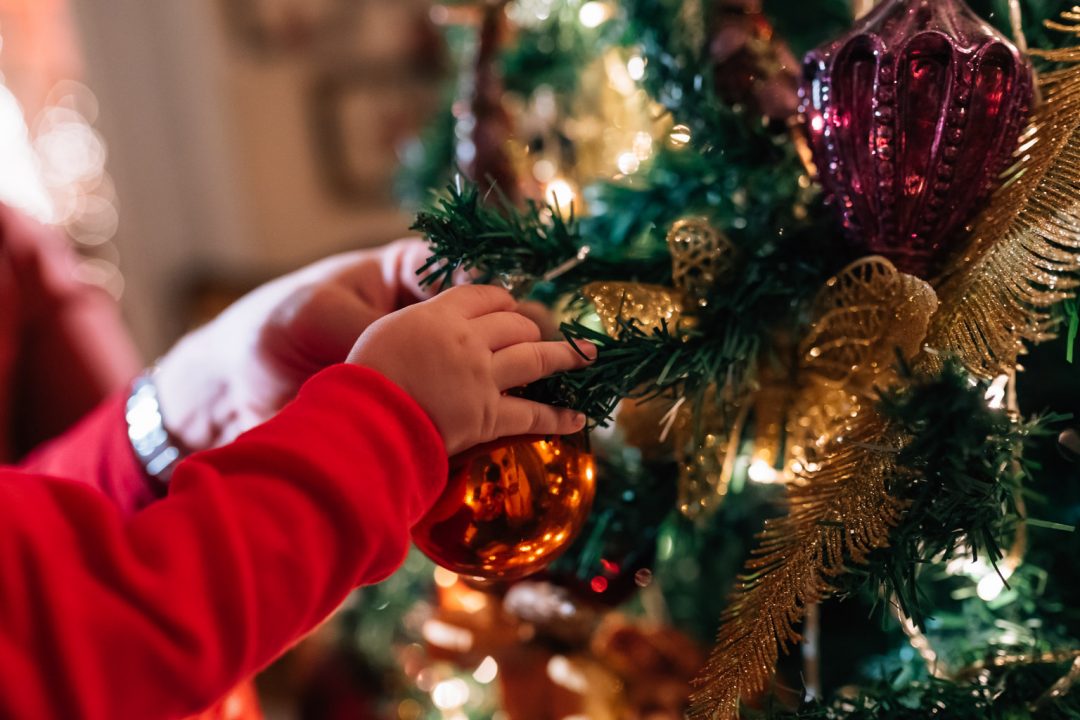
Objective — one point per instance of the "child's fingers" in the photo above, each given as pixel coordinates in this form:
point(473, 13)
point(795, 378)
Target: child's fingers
point(517, 416)
point(527, 362)
point(472, 301)
point(503, 329)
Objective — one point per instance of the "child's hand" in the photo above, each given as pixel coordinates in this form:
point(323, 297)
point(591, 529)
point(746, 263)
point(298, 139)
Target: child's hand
point(458, 353)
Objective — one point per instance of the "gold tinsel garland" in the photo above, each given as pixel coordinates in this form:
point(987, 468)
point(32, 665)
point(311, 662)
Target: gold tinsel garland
point(1021, 259)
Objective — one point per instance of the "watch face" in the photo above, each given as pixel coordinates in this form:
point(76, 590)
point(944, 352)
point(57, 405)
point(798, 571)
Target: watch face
point(155, 449)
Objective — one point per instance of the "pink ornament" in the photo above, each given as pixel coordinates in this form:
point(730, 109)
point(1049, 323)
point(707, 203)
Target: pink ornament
point(911, 116)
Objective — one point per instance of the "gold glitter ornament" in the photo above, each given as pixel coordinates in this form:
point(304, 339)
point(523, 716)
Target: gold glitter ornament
point(648, 307)
point(707, 433)
point(864, 316)
point(701, 256)
point(703, 433)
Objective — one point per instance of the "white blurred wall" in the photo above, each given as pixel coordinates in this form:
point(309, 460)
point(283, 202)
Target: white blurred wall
point(211, 153)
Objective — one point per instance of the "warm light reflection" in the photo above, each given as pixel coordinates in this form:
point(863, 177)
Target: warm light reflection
point(449, 637)
point(486, 671)
point(760, 471)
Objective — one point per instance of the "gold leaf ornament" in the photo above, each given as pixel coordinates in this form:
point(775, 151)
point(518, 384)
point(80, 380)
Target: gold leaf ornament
point(1025, 247)
point(701, 256)
point(646, 307)
point(839, 507)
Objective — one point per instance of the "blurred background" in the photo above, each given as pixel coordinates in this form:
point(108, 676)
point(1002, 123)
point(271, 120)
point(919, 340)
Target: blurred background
point(193, 148)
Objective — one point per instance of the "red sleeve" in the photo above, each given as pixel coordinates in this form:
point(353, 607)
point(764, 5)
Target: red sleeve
point(258, 541)
point(97, 452)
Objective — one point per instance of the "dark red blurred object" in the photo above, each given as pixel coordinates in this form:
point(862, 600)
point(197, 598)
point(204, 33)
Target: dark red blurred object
point(483, 120)
point(752, 66)
point(911, 117)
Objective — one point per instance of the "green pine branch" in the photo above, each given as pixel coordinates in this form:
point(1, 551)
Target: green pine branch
point(959, 475)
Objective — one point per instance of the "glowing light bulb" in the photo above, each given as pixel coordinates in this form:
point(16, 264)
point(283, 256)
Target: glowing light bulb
point(444, 578)
point(561, 194)
point(450, 694)
point(760, 471)
point(635, 66)
point(593, 14)
point(995, 394)
point(628, 163)
point(486, 671)
point(990, 587)
point(679, 136)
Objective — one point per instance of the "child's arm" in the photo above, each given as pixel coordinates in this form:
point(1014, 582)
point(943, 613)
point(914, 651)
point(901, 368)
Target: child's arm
point(257, 542)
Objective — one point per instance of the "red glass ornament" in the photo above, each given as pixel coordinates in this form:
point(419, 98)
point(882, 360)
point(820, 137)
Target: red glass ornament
point(911, 116)
point(510, 508)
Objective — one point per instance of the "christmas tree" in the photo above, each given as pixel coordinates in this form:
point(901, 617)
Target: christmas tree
point(830, 471)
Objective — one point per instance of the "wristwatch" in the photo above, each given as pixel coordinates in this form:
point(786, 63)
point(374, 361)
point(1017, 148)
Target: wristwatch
point(157, 450)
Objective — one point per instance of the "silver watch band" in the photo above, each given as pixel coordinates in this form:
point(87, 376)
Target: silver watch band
point(157, 451)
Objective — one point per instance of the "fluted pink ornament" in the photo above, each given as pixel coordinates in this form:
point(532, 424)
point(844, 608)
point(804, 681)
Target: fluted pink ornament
point(911, 116)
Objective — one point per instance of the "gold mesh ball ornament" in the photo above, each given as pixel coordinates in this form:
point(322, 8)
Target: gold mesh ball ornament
point(701, 256)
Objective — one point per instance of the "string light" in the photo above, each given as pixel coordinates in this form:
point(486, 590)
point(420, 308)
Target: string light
point(450, 694)
point(635, 66)
point(593, 14)
point(628, 163)
point(679, 136)
point(760, 471)
point(445, 578)
point(447, 636)
point(990, 587)
point(561, 194)
point(486, 671)
point(995, 394)
point(563, 673)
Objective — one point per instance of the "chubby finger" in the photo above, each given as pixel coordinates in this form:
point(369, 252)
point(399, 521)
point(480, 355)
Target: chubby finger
point(473, 301)
point(503, 329)
point(524, 363)
point(516, 416)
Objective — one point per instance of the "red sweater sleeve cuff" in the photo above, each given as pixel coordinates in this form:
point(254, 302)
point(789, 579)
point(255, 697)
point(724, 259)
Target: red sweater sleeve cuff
point(343, 400)
point(354, 425)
